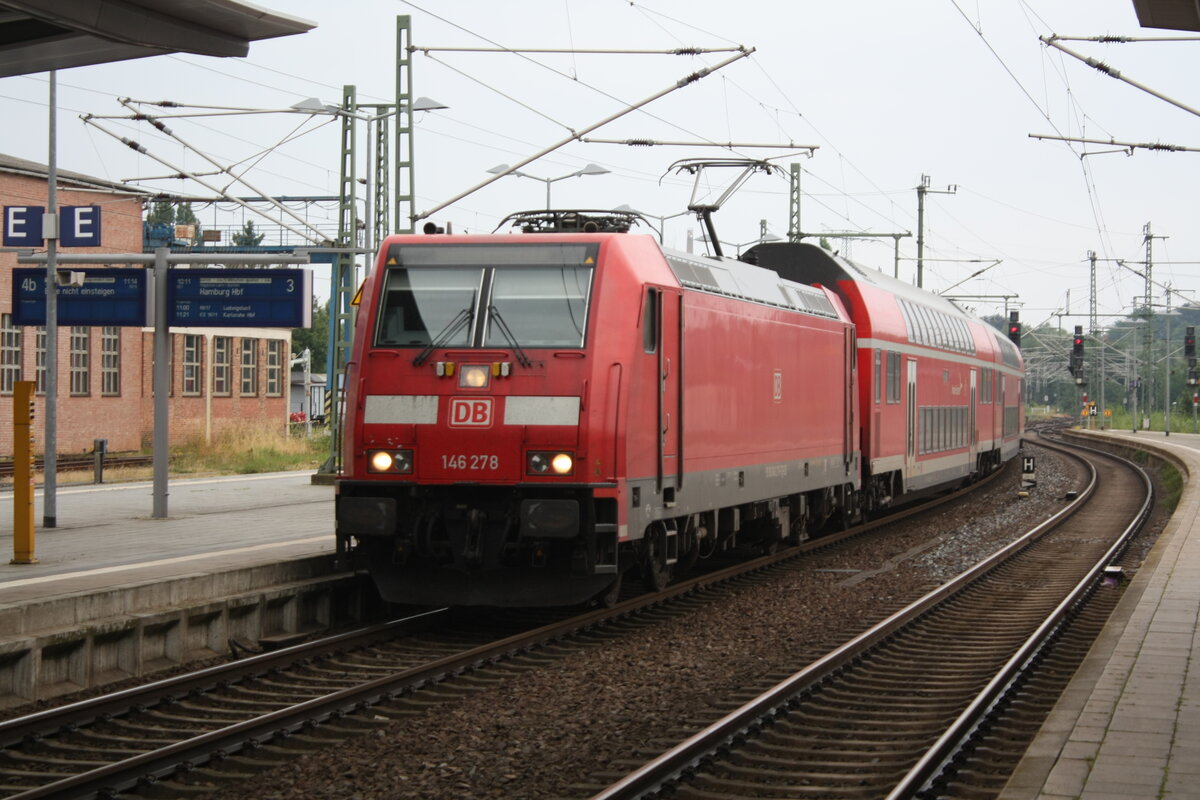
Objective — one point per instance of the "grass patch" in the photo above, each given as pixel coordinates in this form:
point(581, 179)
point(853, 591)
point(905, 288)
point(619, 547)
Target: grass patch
point(246, 449)
point(1170, 484)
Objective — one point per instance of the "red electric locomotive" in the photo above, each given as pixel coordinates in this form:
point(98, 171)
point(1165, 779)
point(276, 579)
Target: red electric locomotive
point(531, 417)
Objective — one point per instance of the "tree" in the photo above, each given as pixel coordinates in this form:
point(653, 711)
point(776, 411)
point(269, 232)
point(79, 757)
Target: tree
point(315, 338)
point(248, 236)
point(161, 212)
point(185, 216)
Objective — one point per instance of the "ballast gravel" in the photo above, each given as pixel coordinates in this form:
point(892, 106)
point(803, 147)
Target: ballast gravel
point(560, 730)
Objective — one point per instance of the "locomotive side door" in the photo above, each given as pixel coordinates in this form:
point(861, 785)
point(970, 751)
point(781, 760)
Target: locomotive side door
point(848, 399)
point(670, 394)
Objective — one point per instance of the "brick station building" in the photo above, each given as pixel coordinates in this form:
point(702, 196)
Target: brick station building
point(221, 378)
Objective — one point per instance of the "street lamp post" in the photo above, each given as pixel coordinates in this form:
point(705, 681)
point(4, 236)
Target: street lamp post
point(661, 220)
point(590, 169)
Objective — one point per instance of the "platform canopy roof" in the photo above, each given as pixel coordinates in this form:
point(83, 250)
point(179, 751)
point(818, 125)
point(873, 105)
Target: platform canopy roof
point(41, 35)
point(1178, 15)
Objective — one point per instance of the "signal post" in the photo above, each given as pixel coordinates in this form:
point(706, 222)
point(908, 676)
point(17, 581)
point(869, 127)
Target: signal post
point(1189, 352)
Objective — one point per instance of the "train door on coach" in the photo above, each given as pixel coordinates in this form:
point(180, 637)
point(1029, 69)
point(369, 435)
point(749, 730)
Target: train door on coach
point(670, 394)
point(910, 451)
point(972, 437)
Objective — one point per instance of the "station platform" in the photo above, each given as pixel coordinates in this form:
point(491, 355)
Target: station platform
point(115, 593)
point(1128, 725)
point(105, 533)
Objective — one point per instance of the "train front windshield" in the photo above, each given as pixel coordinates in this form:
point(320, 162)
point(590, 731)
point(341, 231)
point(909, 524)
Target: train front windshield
point(486, 295)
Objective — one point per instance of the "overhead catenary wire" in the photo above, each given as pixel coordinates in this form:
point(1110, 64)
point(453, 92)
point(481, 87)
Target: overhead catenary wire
point(728, 145)
point(500, 93)
point(682, 82)
point(228, 170)
point(317, 238)
point(572, 78)
point(1101, 225)
point(1124, 146)
point(678, 51)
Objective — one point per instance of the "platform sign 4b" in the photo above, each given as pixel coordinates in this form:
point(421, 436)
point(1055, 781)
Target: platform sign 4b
point(102, 296)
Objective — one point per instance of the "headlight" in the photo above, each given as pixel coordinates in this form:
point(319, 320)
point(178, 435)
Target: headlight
point(474, 376)
point(549, 463)
point(394, 461)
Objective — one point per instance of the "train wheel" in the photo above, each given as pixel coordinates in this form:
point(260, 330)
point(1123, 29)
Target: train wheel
point(610, 596)
point(656, 572)
point(850, 512)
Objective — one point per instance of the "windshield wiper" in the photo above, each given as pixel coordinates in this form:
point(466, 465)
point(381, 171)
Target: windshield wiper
point(522, 359)
point(454, 327)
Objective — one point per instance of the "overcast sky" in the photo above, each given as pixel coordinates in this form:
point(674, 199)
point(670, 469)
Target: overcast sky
point(886, 91)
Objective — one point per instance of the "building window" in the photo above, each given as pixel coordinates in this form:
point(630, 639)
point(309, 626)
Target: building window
point(10, 354)
point(221, 365)
point(191, 365)
point(39, 359)
point(274, 367)
point(81, 361)
point(110, 361)
point(249, 367)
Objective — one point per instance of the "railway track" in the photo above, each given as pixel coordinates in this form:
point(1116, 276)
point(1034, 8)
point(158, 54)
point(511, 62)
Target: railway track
point(927, 703)
point(76, 463)
point(197, 729)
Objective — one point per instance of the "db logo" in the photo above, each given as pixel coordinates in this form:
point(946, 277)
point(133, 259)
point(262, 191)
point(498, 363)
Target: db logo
point(471, 412)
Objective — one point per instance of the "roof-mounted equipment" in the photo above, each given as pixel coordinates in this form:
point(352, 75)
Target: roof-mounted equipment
point(572, 221)
point(704, 211)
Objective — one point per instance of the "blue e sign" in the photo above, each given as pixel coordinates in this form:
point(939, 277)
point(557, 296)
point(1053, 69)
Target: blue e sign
point(23, 226)
point(79, 226)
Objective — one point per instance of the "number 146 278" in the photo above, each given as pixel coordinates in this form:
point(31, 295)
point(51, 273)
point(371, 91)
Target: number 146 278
point(472, 463)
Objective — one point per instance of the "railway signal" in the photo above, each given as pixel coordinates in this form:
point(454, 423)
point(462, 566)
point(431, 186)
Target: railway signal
point(1077, 355)
point(1014, 328)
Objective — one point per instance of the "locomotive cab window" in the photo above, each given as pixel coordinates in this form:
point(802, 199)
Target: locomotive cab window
point(542, 307)
point(486, 295)
point(421, 303)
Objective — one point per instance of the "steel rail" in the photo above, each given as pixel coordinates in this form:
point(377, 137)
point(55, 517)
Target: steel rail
point(687, 755)
point(936, 762)
point(33, 727)
point(154, 765)
point(68, 463)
